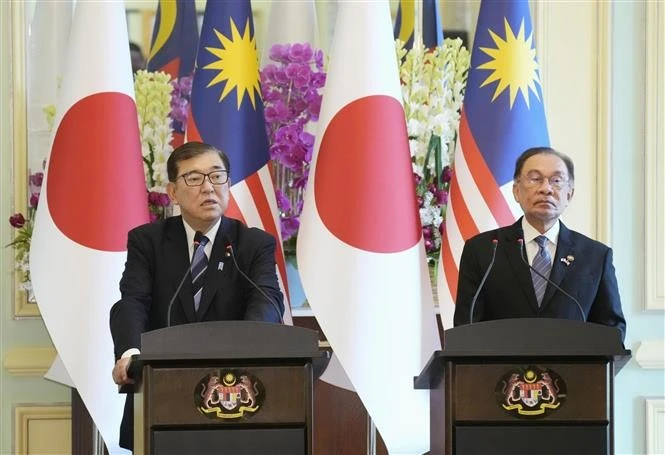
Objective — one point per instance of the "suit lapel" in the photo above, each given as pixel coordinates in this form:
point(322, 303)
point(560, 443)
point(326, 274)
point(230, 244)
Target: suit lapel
point(217, 269)
point(565, 247)
point(176, 252)
point(513, 251)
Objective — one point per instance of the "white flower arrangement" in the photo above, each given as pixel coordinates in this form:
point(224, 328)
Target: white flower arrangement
point(153, 104)
point(433, 85)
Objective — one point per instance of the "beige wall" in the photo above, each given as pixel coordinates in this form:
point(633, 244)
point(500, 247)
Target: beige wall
point(31, 408)
point(594, 81)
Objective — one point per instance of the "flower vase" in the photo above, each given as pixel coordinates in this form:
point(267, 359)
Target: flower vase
point(433, 278)
point(296, 292)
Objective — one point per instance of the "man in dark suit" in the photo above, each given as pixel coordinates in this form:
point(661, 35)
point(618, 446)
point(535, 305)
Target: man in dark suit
point(158, 254)
point(543, 186)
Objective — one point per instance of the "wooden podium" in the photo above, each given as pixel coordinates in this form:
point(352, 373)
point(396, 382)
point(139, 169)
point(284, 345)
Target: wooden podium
point(523, 387)
point(235, 387)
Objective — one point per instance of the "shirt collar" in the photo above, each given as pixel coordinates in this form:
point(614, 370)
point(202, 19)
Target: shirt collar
point(211, 234)
point(530, 232)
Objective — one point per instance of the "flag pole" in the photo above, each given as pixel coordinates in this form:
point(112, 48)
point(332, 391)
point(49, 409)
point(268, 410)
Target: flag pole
point(371, 436)
point(418, 45)
point(418, 24)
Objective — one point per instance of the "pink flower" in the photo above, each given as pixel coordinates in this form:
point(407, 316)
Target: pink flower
point(446, 174)
point(17, 220)
point(299, 73)
point(276, 112)
point(289, 226)
point(300, 52)
point(158, 199)
point(318, 80)
point(291, 98)
point(441, 197)
point(427, 232)
point(279, 52)
point(34, 200)
point(282, 201)
point(37, 178)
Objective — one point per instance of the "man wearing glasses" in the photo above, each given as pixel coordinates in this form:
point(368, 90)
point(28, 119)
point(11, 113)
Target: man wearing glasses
point(203, 245)
point(541, 268)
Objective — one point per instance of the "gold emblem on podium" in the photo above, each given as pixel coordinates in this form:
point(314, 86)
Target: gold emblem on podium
point(229, 395)
point(530, 392)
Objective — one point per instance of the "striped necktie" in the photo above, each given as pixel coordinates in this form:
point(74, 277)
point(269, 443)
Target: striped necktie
point(198, 269)
point(543, 264)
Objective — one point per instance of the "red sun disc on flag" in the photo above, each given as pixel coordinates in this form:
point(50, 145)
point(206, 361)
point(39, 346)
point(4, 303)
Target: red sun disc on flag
point(96, 188)
point(364, 187)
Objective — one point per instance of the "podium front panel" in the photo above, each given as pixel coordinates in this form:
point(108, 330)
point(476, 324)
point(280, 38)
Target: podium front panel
point(175, 390)
point(586, 394)
point(536, 440)
point(291, 441)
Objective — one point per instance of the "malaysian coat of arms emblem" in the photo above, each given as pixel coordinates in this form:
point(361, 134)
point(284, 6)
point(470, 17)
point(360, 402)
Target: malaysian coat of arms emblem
point(531, 392)
point(229, 395)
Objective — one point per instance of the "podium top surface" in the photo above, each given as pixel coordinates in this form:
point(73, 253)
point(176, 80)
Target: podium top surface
point(229, 340)
point(533, 336)
point(526, 338)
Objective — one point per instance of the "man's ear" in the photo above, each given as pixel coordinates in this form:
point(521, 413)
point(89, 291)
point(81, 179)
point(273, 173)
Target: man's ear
point(515, 192)
point(170, 190)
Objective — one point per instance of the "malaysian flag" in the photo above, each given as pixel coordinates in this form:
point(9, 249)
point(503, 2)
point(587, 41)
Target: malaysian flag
point(226, 111)
point(174, 38)
point(503, 115)
point(432, 30)
point(173, 48)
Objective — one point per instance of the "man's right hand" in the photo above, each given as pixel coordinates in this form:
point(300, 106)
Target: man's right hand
point(120, 371)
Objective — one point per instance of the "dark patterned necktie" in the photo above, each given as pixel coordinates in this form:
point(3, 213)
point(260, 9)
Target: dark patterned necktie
point(199, 266)
point(542, 263)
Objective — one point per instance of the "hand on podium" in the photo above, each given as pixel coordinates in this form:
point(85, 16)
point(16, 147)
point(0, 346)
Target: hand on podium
point(125, 373)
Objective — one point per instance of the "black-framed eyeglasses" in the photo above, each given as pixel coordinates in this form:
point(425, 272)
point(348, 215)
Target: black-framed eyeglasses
point(196, 178)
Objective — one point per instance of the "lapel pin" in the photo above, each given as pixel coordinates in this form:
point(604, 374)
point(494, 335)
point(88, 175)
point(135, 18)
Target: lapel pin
point(220, 266)
point(568, 259)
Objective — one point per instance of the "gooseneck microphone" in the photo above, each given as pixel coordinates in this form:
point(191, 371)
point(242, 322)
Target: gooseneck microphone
point(198, 235)
point(230, 252)
point(559, 288)
point(495, 243)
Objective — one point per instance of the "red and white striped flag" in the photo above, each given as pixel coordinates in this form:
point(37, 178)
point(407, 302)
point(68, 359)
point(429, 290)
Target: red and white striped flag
point(503, 115)
point(360, 249)
point(93, 193)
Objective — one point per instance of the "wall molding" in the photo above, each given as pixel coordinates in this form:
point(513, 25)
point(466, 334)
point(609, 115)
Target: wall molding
point(655, 422)
point(588, 138)
point(24, 361)
point(650, 354)
point(22, 308)
point(604, 195)
point(28, 431)
point(654, 164)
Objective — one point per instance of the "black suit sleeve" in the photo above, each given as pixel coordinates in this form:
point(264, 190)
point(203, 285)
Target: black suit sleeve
point(129, 316)
point(606, 307)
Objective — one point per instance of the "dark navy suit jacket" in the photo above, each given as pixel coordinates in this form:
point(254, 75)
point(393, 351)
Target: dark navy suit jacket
point(157, 259)
point(508, 291)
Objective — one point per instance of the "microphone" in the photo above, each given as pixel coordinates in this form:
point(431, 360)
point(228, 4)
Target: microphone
point(197, 243)
point(495, 243)
point(230, 252)
point(559, 288)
